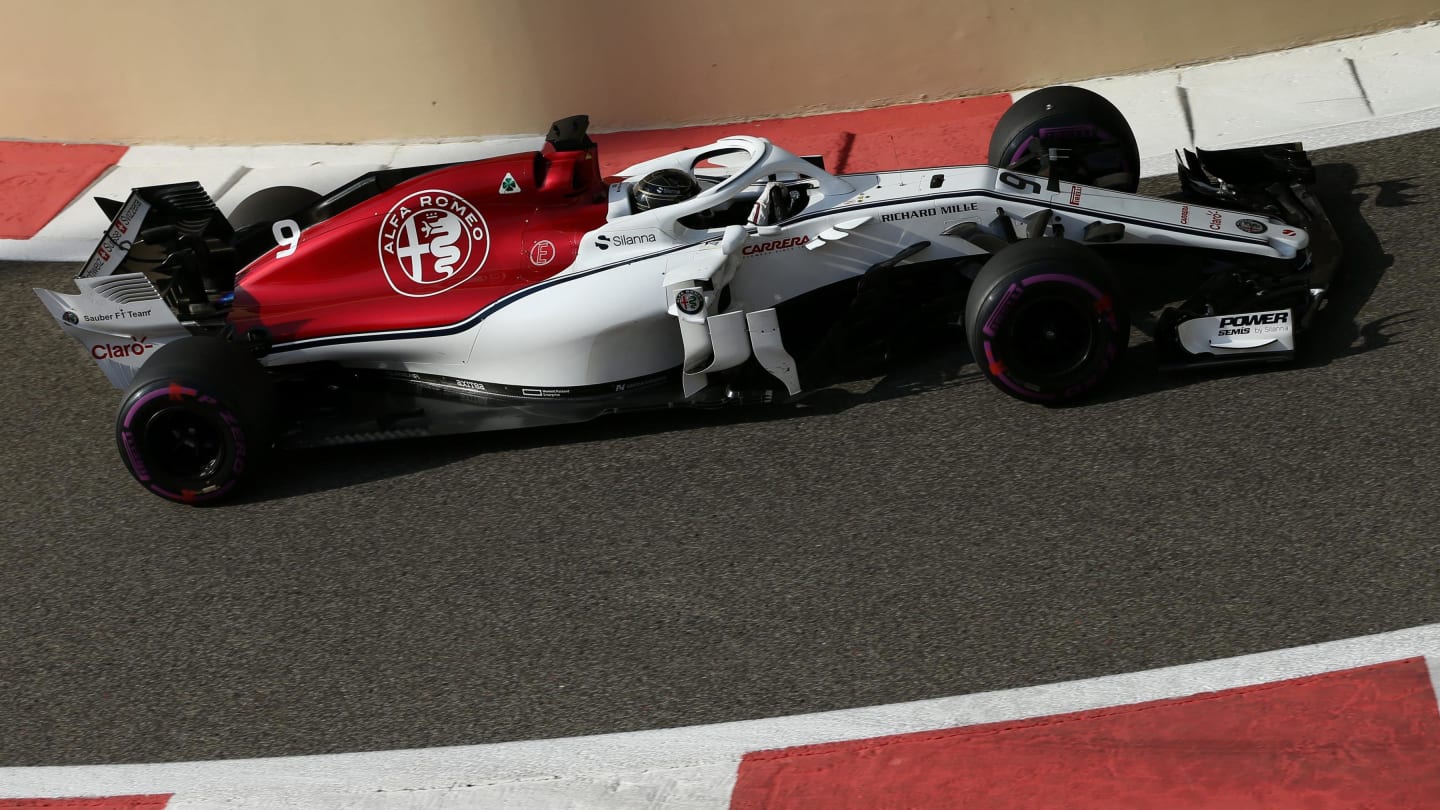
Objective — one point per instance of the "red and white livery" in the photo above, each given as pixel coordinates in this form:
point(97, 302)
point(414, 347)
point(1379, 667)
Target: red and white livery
point(528, 289)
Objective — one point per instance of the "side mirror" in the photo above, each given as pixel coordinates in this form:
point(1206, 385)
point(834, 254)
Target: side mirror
point(733, 240)
point(767, 230)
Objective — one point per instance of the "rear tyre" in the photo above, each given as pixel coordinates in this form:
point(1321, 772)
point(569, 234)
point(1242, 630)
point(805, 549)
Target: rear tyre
point(270, 204)
point(1045, 321)
point(1098, 146)
point(198, 420)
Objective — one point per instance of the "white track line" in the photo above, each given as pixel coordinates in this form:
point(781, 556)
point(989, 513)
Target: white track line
point(691, 767)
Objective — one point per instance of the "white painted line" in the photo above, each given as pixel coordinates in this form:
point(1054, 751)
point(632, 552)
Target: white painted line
point(36, 249)
point(1399, 70)
point(687, 767)
point(1370, 129)
point(1326, 95)
point(1267, 96)
point(1151, 103)
point(260, 157)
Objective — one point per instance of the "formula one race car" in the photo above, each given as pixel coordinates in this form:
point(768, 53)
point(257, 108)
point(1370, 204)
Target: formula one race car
point(528, 290)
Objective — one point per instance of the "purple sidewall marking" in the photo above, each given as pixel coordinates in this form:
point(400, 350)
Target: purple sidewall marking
point(134, 409)
point(1072, 129)
point(1083, 284)
point(199, 496)
point(142, 473)
point(238, 434)
point(127, 436)
point(1045, 132)
point(1059, 278)
point(1075, 129)
point(1000, 309)
point(1063, 279)
point(163, 492)
point(127, 440)
point(1009, 383)
point(1020, 150)
point(232, 423)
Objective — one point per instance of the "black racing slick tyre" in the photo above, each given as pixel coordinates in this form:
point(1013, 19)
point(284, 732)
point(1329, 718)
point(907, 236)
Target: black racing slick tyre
point(197, 421)
point(1045, 321)
point(1091, 137)
point(269, 204)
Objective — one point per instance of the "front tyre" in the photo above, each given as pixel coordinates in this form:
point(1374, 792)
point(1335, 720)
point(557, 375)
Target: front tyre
point(197, 422)
point(1045, 321)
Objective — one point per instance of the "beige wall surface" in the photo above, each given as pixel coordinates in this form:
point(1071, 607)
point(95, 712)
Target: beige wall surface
point(258, 71)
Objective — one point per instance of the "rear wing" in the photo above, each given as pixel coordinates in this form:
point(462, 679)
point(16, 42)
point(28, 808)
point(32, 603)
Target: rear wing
point(148, 227)
point(169, 235)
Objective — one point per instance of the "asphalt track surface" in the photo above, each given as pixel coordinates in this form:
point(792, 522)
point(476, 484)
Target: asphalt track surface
point(913, 536)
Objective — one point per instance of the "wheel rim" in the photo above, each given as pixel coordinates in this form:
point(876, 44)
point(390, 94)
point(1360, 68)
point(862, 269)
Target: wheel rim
point(184, 443)
point(1052, 338)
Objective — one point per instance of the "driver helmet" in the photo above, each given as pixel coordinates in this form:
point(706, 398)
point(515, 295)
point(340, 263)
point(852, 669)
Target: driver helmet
point(664, 187)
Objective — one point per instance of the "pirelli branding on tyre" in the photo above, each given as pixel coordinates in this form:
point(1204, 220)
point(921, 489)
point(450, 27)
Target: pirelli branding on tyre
point(1045, 321)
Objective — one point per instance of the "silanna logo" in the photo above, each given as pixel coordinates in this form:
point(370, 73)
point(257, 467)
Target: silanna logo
point(606, 241)
point(431, 242)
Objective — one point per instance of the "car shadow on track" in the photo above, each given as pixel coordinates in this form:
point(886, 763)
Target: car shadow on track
point(313, 470)
point(1338, 331)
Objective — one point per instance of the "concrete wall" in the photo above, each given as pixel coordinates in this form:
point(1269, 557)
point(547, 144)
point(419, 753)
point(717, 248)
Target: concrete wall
point(256, 71)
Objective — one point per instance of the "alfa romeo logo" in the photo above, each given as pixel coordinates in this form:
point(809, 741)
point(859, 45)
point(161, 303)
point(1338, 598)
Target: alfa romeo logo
point(431, 242)
point(1250, 225)
point(689, 301)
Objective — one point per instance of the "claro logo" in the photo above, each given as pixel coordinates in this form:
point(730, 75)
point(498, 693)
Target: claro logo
point(117, 351)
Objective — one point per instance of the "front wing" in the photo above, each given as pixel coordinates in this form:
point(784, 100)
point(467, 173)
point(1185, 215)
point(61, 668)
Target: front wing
point(1253, 313)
